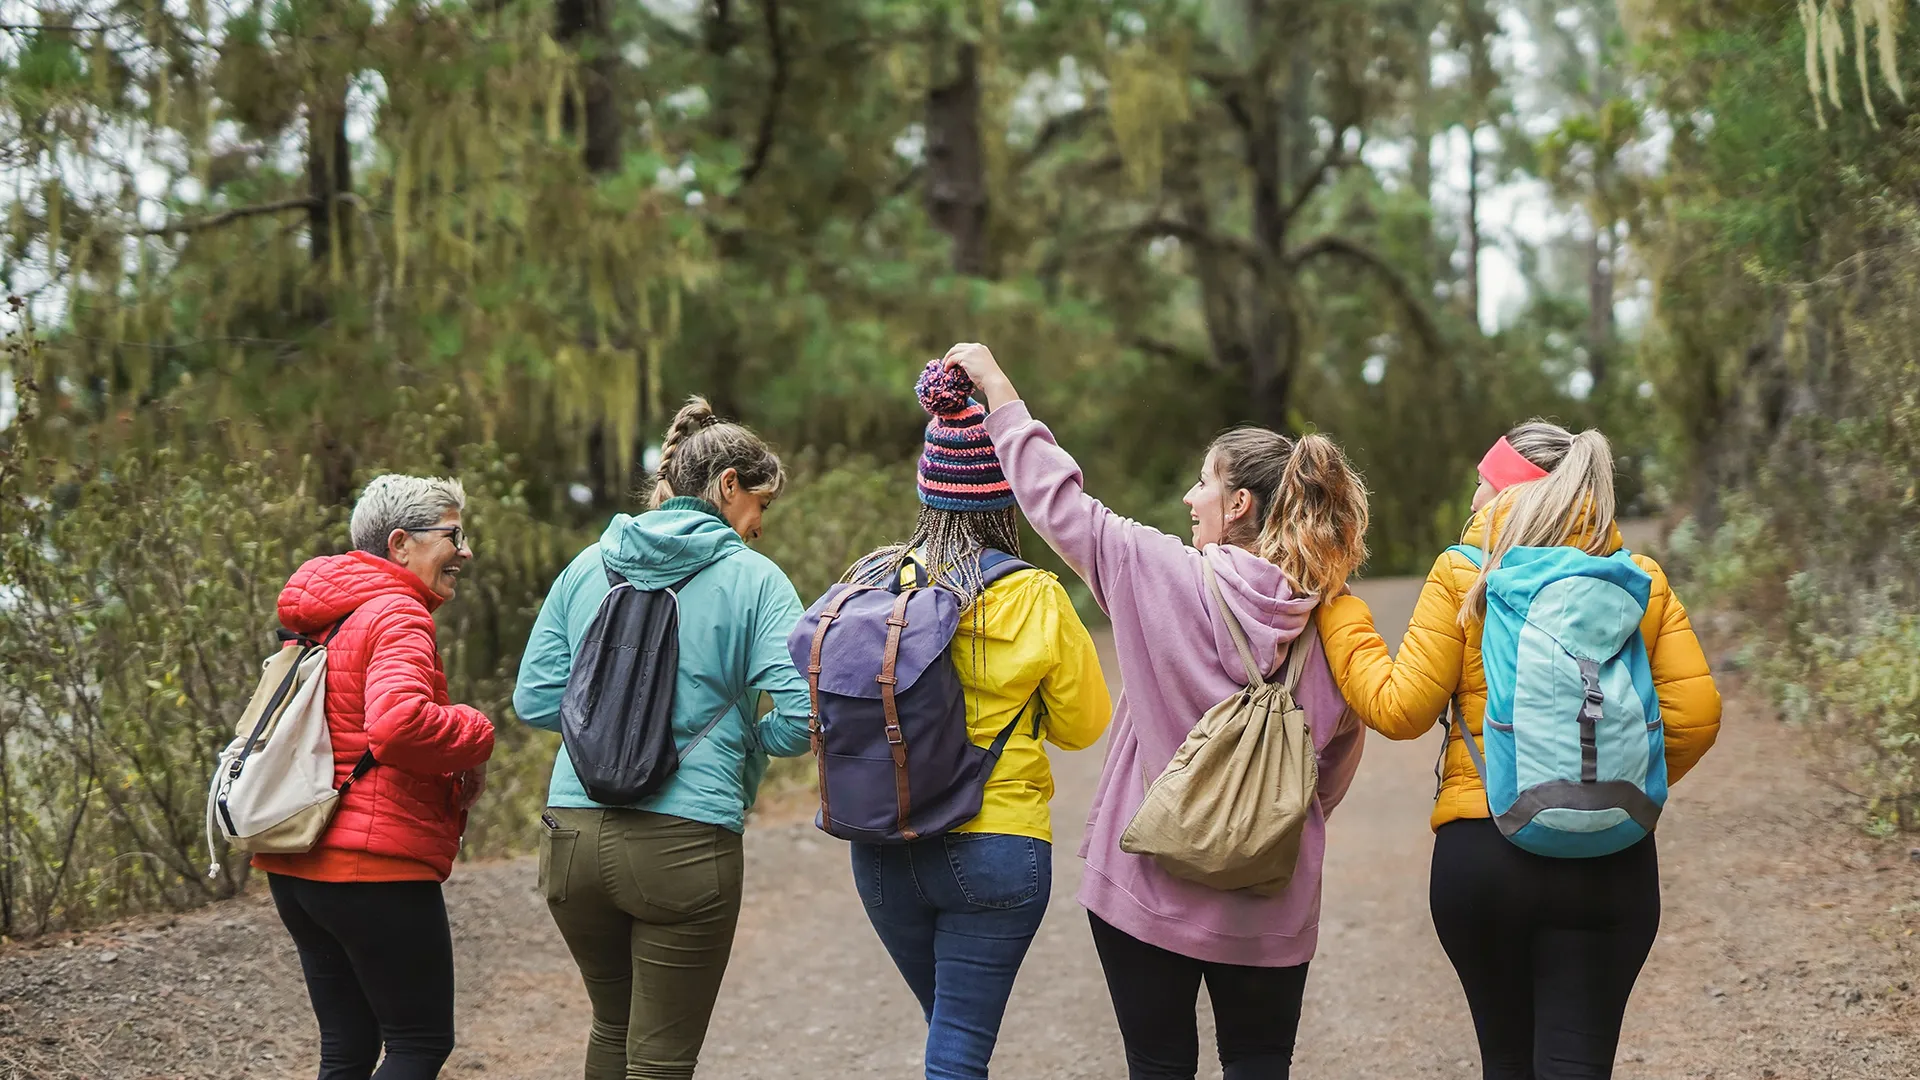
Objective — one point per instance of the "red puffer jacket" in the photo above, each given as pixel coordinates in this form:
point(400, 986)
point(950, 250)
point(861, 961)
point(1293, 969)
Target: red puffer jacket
point(386, 692)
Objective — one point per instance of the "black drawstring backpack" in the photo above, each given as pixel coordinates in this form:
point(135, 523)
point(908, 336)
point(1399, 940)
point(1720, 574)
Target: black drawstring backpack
point(616, 718)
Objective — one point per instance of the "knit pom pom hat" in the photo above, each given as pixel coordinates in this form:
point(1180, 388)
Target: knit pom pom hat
point(958, 470)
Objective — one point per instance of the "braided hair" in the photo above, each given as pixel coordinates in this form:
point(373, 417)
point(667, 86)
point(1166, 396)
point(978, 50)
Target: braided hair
point(699, 448)
point(948, 544)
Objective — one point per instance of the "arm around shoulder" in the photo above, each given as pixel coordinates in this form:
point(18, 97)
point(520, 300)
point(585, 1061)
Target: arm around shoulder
point(783, 732)
point(1340, 760)
point(1075, 691)
point(547, 662)
point(1400, 697)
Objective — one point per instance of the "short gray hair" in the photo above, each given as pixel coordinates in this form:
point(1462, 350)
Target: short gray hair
point(395, 501)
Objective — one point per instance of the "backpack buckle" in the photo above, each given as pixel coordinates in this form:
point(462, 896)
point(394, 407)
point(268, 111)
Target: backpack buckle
point(894, 737)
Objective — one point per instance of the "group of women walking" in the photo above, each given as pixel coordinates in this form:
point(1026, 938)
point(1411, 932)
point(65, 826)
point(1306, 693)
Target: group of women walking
point(647, 895)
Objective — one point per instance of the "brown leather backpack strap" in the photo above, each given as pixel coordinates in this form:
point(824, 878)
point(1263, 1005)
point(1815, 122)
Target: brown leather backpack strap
point(814, 733)
point(896, 626)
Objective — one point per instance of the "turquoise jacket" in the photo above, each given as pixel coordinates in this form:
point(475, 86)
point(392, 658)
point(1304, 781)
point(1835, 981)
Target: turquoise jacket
point(734, 621)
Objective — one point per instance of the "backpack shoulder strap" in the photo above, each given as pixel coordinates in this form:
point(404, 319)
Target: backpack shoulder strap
point(1473, 749)
point(313, 641)
point(1472, 554)
point(813, 690)
point(890, 707)
point(995, 565)
point(1297, 655)
point(1254, 678)
point(701, 735)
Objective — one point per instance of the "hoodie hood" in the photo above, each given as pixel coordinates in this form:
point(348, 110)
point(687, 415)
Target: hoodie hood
point(660, 547)
point(1268, 606)
point(327, 589)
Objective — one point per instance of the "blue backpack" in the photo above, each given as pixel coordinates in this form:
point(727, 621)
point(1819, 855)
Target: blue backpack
point(1575, 763)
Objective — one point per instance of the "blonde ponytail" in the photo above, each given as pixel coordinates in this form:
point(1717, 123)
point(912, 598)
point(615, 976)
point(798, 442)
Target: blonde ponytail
point(1572, 505)
point(1312, 504)
point(699, 448)
point(1316, 527)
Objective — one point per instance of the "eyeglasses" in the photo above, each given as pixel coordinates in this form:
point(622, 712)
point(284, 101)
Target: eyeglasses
point(454, 533)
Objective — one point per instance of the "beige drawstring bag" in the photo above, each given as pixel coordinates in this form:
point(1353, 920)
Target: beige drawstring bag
point(1231, 807)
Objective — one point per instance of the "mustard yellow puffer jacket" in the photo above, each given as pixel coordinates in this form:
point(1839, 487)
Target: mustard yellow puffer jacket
point(1439, 659)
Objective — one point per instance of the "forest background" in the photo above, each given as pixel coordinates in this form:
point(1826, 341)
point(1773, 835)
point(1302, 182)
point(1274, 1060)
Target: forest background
point(257, 252)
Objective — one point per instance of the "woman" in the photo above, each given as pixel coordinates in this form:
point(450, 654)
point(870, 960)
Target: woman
point(965, 906)
point(364, 906)
point(647, 896)
point(1282, 522)
point(1547, 949)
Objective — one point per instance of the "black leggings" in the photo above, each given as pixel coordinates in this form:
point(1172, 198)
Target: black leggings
point(1256, 1011)
point(1547, 949)
point(378, 957)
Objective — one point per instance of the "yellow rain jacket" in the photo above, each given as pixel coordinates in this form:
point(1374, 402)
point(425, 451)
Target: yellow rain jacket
point(1020, 637)
point(1439, 659)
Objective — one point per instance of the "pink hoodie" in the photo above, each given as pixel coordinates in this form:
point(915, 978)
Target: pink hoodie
point(1177, 660)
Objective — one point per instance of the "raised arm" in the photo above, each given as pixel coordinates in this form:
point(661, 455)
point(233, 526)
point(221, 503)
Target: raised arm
point(1102, 547)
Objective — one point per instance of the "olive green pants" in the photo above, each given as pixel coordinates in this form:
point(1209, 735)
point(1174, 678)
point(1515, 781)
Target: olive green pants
point(647, 905)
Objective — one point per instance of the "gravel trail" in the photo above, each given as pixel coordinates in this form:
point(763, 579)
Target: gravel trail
point(1787, 951)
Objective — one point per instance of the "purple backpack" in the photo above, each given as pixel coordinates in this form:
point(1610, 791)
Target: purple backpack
point(889, 719)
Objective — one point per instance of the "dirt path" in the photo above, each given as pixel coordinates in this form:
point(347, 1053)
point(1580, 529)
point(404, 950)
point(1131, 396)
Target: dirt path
point(1787, 951)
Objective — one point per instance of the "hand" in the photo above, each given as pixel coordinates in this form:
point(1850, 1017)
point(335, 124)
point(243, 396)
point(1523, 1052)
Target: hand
point(978, 362)
point(472, 783)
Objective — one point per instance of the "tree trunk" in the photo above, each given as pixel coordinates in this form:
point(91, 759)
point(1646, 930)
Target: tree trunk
point(329, 236)
point(1297, 142)
point(587, 27)
point(957, 164)
point(1473, 227)
point(1280, 148)
point(329, 176)
point(1599, 302)
point(1422, 166)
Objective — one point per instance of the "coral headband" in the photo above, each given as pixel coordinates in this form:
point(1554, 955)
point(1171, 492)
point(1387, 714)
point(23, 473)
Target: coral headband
point(1503, 467)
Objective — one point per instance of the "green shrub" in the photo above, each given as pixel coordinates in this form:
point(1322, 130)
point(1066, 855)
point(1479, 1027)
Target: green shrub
point(140, 602)
point(1817, 553)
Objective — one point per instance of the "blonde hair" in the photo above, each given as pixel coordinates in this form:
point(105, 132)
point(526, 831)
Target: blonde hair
point(1572, 505)
point(699, 448)
point(1309, 501)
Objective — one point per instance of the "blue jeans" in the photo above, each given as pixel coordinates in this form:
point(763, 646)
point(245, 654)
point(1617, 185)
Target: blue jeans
point(957, 913)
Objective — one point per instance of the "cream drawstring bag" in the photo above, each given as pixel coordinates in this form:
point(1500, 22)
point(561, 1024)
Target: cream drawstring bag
point(1230, 809)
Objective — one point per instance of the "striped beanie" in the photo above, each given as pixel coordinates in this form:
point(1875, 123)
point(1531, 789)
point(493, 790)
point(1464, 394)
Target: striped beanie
point(958, 470)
